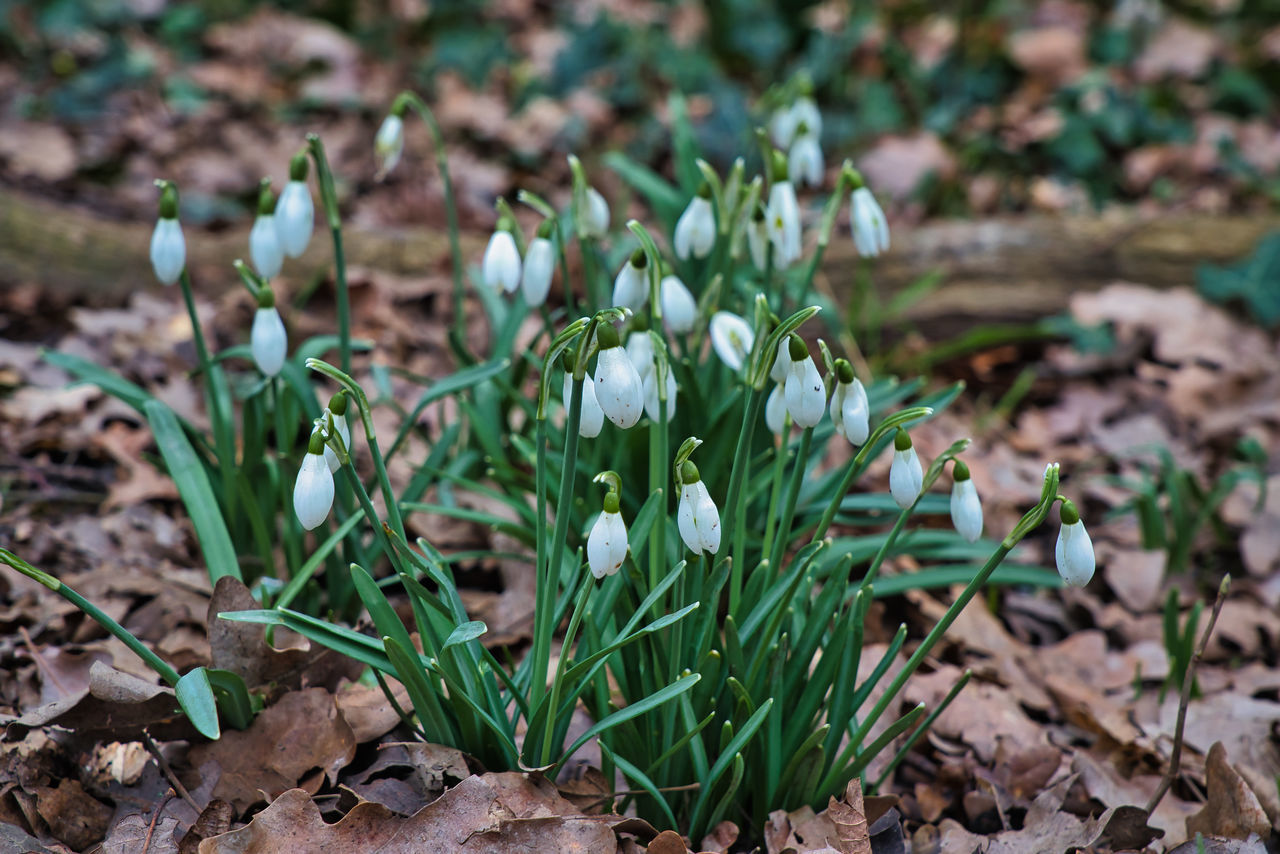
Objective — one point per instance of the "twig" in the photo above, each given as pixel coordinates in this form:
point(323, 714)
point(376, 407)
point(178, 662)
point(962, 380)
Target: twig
point(151, 828)
point(154, 750)
point(1175, 759)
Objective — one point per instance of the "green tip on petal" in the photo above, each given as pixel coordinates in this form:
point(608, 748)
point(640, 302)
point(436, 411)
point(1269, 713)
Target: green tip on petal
point(611, 503)
point(639, 260)
point(704, 190)
point(901, 441)
point(959, 471)
point(689, 473)
point(316, 445)
point(545, 228)
point(168, 200)
point(1069, 513)
point(266, 298)
point(298, 167)
point(338, 403)
point(844, 371)
point(797, 348)
point(778, 167)
point(266, 198)
point(607, 336)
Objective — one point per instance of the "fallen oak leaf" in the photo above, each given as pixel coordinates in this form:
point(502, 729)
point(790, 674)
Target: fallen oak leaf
point(1233, 809)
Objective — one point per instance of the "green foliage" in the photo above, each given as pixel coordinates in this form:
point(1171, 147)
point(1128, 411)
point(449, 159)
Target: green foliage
point(1253, 282)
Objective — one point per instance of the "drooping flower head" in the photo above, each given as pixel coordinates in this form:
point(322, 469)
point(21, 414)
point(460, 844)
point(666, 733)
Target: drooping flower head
point(168, 247)
point(1074, 550)
point(698, 518)
point(313, 490)
point(500, 269)
point(866, 219)
point(539, 266)
point(696, 229)
point(679, 308)
point(388, 145)
point(591, 416)
point(732, 339)
point(264, 239)
point(607, 542)
point(619, 388)
point(295, 210)
point(805, 393)
point(805, 164)
point(268, 341)
point(783, 215)
point(631, 287)
point(905, 475)
point(966, 508)
point(336, 413)
point(850, 412)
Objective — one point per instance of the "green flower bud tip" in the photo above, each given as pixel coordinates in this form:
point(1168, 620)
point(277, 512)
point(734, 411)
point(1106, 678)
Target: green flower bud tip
point(266, 299)
point(168, 200)
point(568, 359)
point(338, 403)
point(316, 444)
point(797, 348)
point(607, 336)
point(959, 471)
point(399, 106)
point(545, 228)
point(901, 441)
point(298, 167)
point(844, 371)
point(266, 199)
point(778, 166)
point(689, 473)
point(704, 190)
point(611, 503)
point(1068, 513)
point(639, 259)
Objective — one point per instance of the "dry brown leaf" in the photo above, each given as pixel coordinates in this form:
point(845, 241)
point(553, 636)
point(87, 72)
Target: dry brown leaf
point(720, 839)
point(1232, 809)
point(38, 150)
point(1179, 49)
point(667, 842)
point(130, 835)
point(897, 164)
point(982, 715)
point(1055, 54)
point(850, 818)
point(73, 815)
point(367, 710)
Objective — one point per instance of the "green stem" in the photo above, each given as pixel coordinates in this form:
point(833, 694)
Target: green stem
point(775, 490)
point(329, 200)
point(874, 569)
point(793, 493)
point(735, 501)
point(284, 437)
point(554, 699)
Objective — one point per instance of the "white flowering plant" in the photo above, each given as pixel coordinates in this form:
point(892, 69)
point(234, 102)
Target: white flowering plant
point(728, 568)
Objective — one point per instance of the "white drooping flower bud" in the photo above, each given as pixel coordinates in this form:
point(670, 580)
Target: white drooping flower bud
point(1074, 550)
point(696, 229)
point(295, 211)
point(806, 396)
point(539, 267)
point(652, 405)
point(619, 389)
point(775, 410)
point(388, 145)
point(850, 411)
point(500, 269)
point(905, 475)
point(870, 229)
point(336, 412)
point(698, 518)
point(168, 247)
point(732, 339)
point(783, 223)
point(805, 163)
point(631, 287)
point(781, 368)
point(640, 351)
point(679, 308)
point(591, 416)
point(268, 341)
point(596, 216)
point(607, 542)
point(313, 490)
point(264, 238)
point(966, 508)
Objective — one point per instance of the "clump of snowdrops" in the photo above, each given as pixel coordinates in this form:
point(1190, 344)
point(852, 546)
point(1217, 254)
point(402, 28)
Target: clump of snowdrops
point(656, 452)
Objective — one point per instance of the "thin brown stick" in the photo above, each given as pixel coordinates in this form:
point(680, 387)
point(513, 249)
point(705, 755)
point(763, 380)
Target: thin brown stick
point(1175, 759)
point(151, 828)
point(154, 750)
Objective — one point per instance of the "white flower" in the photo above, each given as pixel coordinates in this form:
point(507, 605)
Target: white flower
point(782, 220)
point(313, 490)
point(698, 518)
point(500, 268)
point(1074, 549)
point(267, 340)
point(775, 410)
point(295, 217)
point(389, 143)
point(696, 229)
point(804, 161)
point(781, 364)
point(804, 111)
point(619, 388)
point(966, 508)
point(539, 266)
point(264, 246)
point(607, 542)
point(732, 338)
point(870, 230)
point(591, 416)
point(596, 216)
point(640, 352)
point(631, 287)
point(679, 308)
point(758, 238)
point(850, 411)
point(905, 475)
point(168, 250)
point(805, 394)
point(343, 429)
point(651, 402)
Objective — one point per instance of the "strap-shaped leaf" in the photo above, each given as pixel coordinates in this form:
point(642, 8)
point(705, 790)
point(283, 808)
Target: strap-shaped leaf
point(195, 696)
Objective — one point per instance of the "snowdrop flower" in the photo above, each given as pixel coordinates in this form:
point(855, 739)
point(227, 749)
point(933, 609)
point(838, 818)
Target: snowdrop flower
point(500, 268)
point(596, 216)
point(697, 515)
point(804, 161)
point(805, 394)
point(775, 410)
point(619, 388)
point(966, 508)
point(607, 542)
point(295, 212)
point(679, 308)
point(758, 237)
point(850, 412)
point(732, 339)
point(591, 416)
point(539, 266)
point(696, 228)
point(264, 240)
point(905, 476)
point(168, 247)
point(785, 122)
point(388, 145)
point(631, 287)
point(1074, 550)
point(652, 405)
point(336, 413)
point(783, 218)
point(267, 340)
point(870, 230)
point(805, 113)
point(781, 364)
point(640, 346)
point(313, 490)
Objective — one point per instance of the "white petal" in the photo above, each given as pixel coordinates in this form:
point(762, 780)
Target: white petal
point(782, 127)
point(500, 268)
point(870, 229)
point(264, 246)
point(618, 387)
point(607, 544)
point(783, 220)
point(597, 213)
point(313, 491)
point(343, 430)
point(389, 143)
point(295, 218)
point(805, 162)
point(732, 338)
point(640, 352)
point(651, 402)
point(757, 242)
point(775, 410)
point(905, 477)
point(696, 229)
point(631, 288)
point(539, 266)
point(837, 408)
point(168, 250)
point(685, 519)
point(706, 518)
point(679, 309)
point(1074, 554)
point(855, 413)
point(966, 510)
point(805, 111)
point(267, 341)
point(806, 396)
point(591, 416)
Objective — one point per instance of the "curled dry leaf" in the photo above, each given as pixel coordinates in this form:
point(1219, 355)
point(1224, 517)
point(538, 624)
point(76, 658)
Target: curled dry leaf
point(1233, 809)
